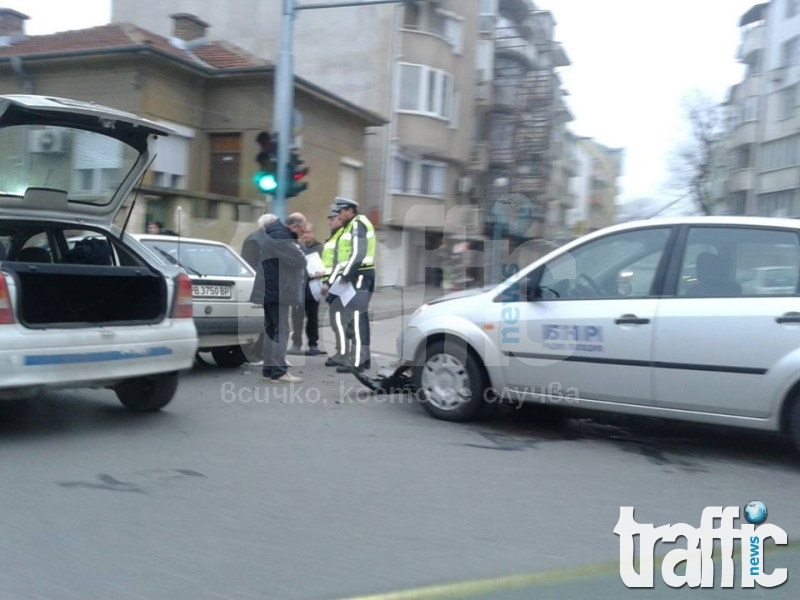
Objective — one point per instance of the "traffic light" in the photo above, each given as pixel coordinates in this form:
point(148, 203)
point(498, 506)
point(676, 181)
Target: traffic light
point(297, 171)
point(266, 178)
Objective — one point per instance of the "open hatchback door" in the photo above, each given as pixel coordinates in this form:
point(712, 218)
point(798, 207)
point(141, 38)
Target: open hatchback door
point(67, 159)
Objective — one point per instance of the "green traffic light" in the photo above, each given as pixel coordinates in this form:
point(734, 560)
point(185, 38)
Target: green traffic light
point(266, 182)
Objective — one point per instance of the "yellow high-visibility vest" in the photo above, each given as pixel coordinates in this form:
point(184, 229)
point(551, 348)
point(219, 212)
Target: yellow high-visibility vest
point(344, 248)
point(329, 252)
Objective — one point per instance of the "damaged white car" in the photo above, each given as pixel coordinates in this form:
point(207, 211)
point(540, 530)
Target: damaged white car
point(101, 313)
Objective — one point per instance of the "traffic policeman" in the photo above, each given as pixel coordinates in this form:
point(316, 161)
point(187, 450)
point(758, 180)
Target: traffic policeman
point(355, 264)
point(329, 262)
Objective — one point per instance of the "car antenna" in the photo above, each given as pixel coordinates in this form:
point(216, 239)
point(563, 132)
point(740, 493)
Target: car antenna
point(135, 196)
point(180, 214)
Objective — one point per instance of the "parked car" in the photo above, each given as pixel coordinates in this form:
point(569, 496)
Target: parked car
point(102, 313)
point(222, 282)
point(592, 325)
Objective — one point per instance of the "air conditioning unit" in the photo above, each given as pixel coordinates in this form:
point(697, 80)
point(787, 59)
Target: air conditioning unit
point(46, 141)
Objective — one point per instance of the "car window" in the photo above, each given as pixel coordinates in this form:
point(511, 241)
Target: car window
point(616, 266)
point(200, 259)
point(738, 261)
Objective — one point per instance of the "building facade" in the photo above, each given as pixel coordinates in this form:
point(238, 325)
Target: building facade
point(761, 143)
point(412, 63)
point(218, 97)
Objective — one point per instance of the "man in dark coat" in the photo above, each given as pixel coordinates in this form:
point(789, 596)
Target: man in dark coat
point(251, 248)
point(279, 286)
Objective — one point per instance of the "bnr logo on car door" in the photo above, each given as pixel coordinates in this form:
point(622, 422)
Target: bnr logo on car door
point(581, 338)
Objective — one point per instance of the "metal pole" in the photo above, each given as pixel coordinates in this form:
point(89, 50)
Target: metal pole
point(284, 103)
point(284, 92)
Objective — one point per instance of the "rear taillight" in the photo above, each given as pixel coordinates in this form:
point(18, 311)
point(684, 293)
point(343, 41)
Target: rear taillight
point(182, 308)
point(6, 312)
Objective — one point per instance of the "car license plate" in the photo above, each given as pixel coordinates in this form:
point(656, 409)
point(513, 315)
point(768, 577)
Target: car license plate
point(212, 291)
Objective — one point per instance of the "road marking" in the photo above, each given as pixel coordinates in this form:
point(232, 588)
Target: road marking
point(466, 589)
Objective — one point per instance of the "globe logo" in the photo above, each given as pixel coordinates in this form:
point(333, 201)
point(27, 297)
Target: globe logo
point(515, 212)
point(755, 512)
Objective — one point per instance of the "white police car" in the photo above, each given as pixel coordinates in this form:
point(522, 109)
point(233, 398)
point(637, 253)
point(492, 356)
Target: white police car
point(99, 313)
point(672, 318)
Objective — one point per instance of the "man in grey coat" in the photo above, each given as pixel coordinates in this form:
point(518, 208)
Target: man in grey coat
point(280, 285)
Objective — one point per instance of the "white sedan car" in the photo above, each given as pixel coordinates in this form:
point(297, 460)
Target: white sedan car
point(100, 313)
point(651, 318)
point(222, 282)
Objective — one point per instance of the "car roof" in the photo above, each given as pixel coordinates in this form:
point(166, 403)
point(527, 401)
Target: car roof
point(787, 222)
point(175, 238)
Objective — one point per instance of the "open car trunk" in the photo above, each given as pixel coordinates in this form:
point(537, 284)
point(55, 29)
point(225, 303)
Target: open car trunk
point(59, 295)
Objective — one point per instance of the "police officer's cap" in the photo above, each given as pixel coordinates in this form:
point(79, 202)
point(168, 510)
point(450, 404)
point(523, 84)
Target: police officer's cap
point(342, 203)
point(333, 214)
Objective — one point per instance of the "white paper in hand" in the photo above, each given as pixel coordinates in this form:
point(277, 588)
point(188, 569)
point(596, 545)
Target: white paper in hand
point(344, 290)
point(314, 264)
point(315, 287)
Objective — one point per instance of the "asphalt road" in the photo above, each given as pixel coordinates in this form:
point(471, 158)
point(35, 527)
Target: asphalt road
point(329, 494)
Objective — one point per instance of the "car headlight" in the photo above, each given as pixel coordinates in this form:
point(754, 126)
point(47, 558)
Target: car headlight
point(420, 309)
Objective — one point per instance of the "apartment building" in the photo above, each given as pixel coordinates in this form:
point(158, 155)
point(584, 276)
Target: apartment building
point(520, 117)
point(412, 63)
point(761, 143)
point(215, 94)
point(595, 185)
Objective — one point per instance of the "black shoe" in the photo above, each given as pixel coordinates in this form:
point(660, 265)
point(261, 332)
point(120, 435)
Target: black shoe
point(332, 362)
point(342, 369)
point(313, 351)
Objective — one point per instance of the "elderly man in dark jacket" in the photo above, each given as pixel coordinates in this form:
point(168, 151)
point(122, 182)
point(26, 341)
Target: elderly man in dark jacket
point(280, 285)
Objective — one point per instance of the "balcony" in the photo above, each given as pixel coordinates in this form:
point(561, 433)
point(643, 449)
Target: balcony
point(753, 40)
point(510, 41)
point(741, 181)
point(746, 133)
point(515, 10)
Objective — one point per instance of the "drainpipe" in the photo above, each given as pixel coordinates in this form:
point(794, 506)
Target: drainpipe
point(394, 57)
point(28, 86)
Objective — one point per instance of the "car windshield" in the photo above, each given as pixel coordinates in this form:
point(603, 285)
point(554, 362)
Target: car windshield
point(88, 166)
point(201, 259)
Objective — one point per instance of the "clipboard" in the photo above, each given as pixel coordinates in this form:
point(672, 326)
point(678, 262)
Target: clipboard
point(345, 291)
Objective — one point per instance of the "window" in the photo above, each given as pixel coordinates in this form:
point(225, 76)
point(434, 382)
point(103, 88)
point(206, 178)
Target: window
point(401, 175)
point(349, 181)
point(742, 157)
point(792, 8)
point(433, 179)
point(788, 99)
point(484, 55)
point(419, 177)
point(751, 108)
point(790, 52)
point(621, 265)
point(412, 18)
point(730, 261)
point(172, 160)
point(426, 91)
point(780, 154)
point(225, 159)
point(410, 86)
point(776, 204)
point(501, 136)
point(488, 10)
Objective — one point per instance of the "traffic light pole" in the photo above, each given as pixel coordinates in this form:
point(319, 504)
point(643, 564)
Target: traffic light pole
point(284, 91)
point(284, 102)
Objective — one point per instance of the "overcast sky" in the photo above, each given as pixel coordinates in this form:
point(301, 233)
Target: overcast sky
point(632, 62)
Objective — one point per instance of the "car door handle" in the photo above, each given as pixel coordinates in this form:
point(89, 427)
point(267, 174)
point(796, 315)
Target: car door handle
point(791, 317)
point(631, 320)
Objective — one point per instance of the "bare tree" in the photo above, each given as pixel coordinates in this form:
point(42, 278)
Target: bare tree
point(692, 160)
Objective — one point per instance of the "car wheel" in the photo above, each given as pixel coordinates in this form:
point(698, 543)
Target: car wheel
point(147, 394)
point(229, 358)
point(450, 382)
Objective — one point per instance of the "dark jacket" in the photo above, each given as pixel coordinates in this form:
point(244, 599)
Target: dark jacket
point(251, 248)
point(282, 276)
